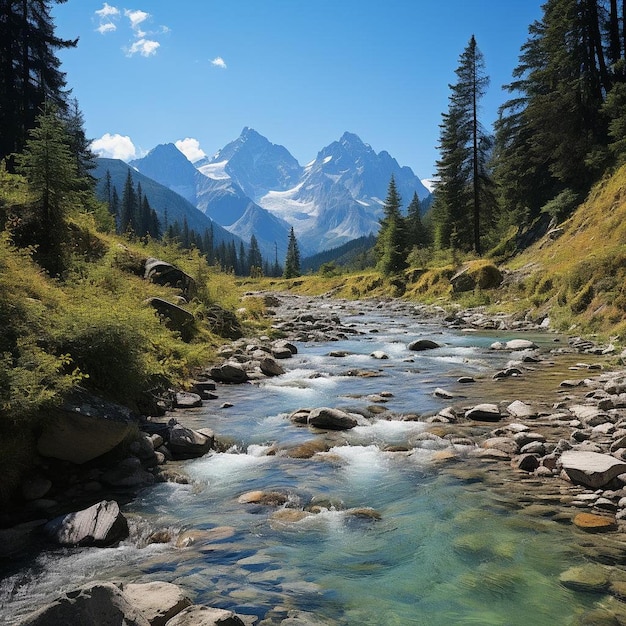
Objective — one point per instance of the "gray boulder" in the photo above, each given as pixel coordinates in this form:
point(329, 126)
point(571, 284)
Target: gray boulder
point(229, 372)
point(162, 273)
point(592, 469)
point(175, 317)
point(100, 525)
point(422, 344)
point(187, 400)
point(205, 616)
point(484, 413)
point(157, 601)
point(331, 419)
point(269, 367)
point(185, 443)
point(84, 428)
point(93, 603)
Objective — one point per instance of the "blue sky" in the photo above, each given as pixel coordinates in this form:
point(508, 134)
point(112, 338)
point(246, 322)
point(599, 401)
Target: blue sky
point(147, 72)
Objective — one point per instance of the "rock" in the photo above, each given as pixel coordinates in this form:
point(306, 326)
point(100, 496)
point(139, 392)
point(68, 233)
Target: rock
point(331, 419)
point(128, 473)
point(591, 469)
point(592, 523)
point(484, 413)
point(422, 344)
point(229, 372)
point(481, 276)
point(205, 616)
point(526, 462)
point(176, 318)
point(157, 601)
point(100, 525)
point(506, 444)
point(187, 400)
point(283, 349)
point(514, 344)
point(521, 410)
point(267, 498)
point(379, 354)
point(166, 274)
point(84, 428)
point(590, 578)
point(185, 443)
point(93, 603)
point(270, 368)
point(465, 380)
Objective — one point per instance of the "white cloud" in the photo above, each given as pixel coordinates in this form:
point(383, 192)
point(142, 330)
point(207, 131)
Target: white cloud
point(145, 47)
point(219, 62)
point(106, 15)
point(106, 27)
point(107, 11)
point(136, 17)
point(114, 147)
point(190, 148)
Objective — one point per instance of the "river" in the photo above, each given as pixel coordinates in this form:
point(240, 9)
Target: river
point(406, 529)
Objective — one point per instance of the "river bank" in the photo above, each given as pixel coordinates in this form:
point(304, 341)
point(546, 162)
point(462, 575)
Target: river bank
point(480, 430)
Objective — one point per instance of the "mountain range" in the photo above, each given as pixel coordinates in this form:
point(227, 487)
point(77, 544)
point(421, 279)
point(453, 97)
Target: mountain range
point(252, 186)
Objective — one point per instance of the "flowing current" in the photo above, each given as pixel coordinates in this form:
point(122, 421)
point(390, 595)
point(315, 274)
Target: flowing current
point(402, 533)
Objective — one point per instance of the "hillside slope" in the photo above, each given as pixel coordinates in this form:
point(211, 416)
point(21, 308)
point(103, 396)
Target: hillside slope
point(577, 272)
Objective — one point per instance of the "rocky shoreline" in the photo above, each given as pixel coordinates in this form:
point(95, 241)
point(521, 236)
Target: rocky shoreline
point(559, 458)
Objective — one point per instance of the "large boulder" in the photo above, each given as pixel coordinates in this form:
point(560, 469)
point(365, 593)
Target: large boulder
point(592, 469)
point(84, 428)
point(100, 525)
point(169, 275)
point(176, 318)
point(331, 419)
point(229, 372)
point(270, 367)
point(157, 601)
point(205, 616)
point(484, 412)
point(477, 275)
point(185, 443)
point(423, 344)
point(93, 603)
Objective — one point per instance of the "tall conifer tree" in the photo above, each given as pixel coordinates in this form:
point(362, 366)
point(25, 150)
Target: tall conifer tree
point(464, 145)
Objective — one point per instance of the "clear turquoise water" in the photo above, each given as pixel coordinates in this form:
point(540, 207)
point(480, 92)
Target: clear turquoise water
point(446, 549)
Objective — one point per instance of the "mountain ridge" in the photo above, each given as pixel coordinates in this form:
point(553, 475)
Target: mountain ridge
point(252, 186)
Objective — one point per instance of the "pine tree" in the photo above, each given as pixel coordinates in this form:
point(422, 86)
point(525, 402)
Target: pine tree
point(30, 72)
point(391, 243)
point(255, 260)
point(50, 169)
point(79, 144)
point(552, 135)
point(462, 169)
point(128, 208)
point(292, 260)
point(417, 232)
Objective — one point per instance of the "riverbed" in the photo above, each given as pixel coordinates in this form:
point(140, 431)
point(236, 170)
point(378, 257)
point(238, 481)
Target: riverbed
point(385, 525)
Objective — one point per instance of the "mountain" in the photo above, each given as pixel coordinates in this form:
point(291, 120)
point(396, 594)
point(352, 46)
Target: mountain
point(219, 196)
point(252, 186)
point(336, 198)
point(161, 198)
point(255, 164)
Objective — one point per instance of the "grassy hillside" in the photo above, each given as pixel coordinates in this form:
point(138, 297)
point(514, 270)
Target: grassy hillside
point(576, 274)
point(93, 326)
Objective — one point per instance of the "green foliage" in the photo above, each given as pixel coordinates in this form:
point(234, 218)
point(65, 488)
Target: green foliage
point(463, 180)
point(329, 269)
point(391, 243)
point(562, 205)
point(292, 260)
